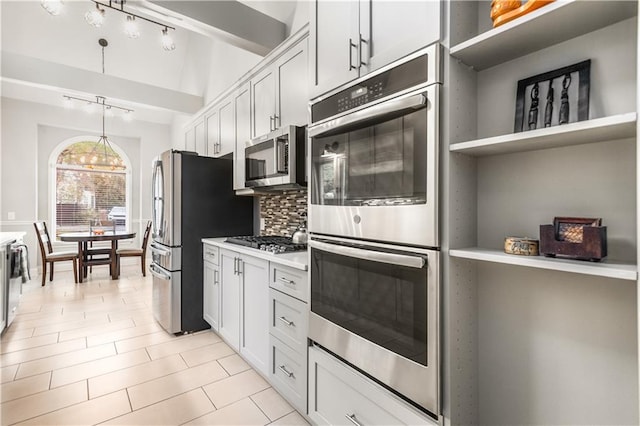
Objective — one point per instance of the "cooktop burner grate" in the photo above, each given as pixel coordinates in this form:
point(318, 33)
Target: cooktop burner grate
point(272, 243)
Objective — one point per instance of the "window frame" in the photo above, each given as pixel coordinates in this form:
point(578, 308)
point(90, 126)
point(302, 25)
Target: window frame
point(53, 159)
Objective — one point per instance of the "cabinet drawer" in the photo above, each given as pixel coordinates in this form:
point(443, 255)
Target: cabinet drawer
point(288, 373)
point(288, 320)
point(210, 253)
point(337, 392)
point(289, 281)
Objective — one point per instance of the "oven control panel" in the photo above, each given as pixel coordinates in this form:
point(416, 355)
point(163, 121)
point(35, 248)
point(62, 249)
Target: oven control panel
point(393, 80)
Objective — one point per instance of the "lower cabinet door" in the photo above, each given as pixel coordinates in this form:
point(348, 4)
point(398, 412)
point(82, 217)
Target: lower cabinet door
point(211, 294)
point(288, 320)
point(254, 324)
point(229, 326)
point(288, 373)
point(338, 395)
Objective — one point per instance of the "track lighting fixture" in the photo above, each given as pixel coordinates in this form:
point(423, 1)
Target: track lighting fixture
point(96, 18)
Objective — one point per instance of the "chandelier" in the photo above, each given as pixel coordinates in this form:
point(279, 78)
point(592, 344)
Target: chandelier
point(96, 17)
point(102, 155)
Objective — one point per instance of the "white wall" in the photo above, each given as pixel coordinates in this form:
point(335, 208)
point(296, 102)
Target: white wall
point(30, 131)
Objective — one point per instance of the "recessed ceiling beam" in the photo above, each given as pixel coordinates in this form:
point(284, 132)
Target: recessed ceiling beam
point(37, 72)
point(229, 20)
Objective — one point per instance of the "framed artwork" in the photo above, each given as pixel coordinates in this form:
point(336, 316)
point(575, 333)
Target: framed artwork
point(553, 98)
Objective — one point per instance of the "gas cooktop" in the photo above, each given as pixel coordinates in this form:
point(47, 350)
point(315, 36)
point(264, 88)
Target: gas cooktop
point(271, 243)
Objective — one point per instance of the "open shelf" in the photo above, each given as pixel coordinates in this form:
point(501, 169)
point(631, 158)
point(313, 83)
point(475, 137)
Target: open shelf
point(615, 127)
point(549, 25)
point(622, 271)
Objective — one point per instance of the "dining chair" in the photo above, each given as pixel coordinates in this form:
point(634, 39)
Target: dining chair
point(141, 252)
point(49, 256)
point(103, 253)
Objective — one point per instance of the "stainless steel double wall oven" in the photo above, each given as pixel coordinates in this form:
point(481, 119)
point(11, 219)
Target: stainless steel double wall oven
point(373, 219)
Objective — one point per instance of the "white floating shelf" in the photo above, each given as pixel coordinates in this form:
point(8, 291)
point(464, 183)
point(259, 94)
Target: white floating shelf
point(615, 127)
point(621, 271)
point(551, 24)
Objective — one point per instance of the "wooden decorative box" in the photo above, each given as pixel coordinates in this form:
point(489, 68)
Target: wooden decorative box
point(574, 238)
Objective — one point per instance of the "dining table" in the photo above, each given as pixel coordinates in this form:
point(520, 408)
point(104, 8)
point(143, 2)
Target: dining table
point(84, 238)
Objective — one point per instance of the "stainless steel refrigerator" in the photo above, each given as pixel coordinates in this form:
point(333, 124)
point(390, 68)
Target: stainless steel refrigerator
point(193, 198)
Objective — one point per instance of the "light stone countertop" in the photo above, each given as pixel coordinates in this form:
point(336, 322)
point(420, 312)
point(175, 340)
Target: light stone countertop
point(297, 260)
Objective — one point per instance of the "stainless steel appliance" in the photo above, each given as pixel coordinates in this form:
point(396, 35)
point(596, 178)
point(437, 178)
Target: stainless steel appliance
point(271, 243)
point(374, 155)
point(193, 198)
point(373, 218)
point(277, 158)
point(11, 279)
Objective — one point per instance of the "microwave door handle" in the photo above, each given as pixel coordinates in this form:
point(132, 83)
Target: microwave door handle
point(280, 155)
point(381, 109)
point(372, 255)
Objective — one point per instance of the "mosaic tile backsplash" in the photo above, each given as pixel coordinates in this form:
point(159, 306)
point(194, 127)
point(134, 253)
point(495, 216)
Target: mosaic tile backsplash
point(283, 212)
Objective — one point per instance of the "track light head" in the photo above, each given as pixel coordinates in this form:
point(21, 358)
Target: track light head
point(167, 40)
point(95, 17)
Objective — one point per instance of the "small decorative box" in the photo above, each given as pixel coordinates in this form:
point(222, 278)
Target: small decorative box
point(523, 246)
point(575, 238)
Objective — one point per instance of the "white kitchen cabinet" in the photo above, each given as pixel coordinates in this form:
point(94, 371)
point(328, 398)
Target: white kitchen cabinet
point(230, 290)
point(244, 306)
point(195, 137)
point(279, 94)
point(339, 395)
point(211, 286)
point(520, 332)
point(242, 105)
point(353, 38)
point(221, 128)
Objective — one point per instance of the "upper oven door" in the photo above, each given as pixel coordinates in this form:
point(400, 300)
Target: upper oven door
point(374, 172)
point(382, 301)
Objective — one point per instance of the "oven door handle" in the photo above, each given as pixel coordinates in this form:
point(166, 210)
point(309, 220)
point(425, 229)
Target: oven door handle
point(372, 255)
point(410, 102)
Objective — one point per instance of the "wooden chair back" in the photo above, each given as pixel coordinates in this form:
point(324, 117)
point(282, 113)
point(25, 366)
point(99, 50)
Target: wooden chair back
point(43, 238)
point(145, 239)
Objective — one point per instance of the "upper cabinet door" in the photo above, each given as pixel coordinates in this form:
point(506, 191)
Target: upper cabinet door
point(213, 132)
point(391, 30)
point(200, 140)
point(190, 139)
point(243, 134)
point(227, 128)
point(293, 91)
point(334, 28)
point(263, 88)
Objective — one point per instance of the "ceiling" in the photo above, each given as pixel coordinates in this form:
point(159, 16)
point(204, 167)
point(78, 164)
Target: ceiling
point(45, 56)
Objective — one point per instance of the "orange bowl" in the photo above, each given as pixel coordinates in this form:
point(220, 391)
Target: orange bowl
point(98, 231)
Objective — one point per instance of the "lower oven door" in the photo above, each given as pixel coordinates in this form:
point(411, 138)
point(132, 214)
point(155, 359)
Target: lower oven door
point(167, 298)
point(376, 306)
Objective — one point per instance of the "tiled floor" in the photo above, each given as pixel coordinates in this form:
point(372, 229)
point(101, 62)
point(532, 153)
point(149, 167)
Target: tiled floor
point(92, 353)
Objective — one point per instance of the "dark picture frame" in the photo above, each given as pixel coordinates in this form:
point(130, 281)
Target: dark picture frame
point(556, 101)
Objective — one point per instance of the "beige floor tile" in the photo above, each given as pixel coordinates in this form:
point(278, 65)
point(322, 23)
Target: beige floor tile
point(72, 325)
point(98, 367)
point(41, 322)
point(234, 388)
point(100, 329)
point(207, 353)
point(174, 384)
point(42, 352)
point(271, 403)
point(42, 403)
point(89, 412)
point(143, 341)
point(18, 345)
point(234, 364)
point(25, 387)
point(243, 412)
point(11, 335)
point(132, 376)
point(173, 411)
point(8, 373)
point(293, 419)
point(65, 360)
point(127, 333)
point(139, 316)
point(182, 345)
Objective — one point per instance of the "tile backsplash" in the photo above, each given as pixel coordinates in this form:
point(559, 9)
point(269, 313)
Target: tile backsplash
point(283, 212)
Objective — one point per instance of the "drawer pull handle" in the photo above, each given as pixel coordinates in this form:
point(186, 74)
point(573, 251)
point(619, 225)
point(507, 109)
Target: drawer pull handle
point(286, 281)
point(286, 321)
point(352, 418)
point(285, 371)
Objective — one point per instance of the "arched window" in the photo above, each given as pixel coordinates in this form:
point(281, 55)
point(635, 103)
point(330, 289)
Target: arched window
point(90, 185)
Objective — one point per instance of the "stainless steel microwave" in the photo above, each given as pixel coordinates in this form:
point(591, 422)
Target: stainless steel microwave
point(276, 159)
